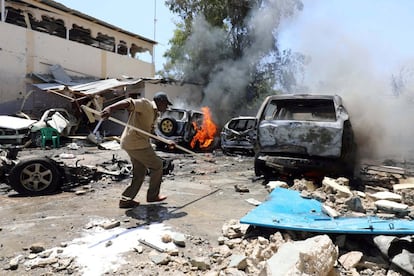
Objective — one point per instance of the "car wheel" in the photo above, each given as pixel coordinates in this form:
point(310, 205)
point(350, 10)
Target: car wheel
point(260, 168)
point(168, 126)
point(259, 165)
point(35, 176)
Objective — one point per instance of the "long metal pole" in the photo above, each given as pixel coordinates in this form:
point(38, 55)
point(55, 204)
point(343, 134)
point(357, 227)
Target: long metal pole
point(166, 141)
point(155, 27)
point(3, 11)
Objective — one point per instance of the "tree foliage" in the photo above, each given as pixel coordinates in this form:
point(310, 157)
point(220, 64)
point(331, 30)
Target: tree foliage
point(230, 48)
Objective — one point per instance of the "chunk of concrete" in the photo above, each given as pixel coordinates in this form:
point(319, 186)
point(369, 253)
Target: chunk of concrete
point(350, 259)
point(313, 256)
point(390, 206)
point(386, 195)
point(400, 250)
point(341, 190)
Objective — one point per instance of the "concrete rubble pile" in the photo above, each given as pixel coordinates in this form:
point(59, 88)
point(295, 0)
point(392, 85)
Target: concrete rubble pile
point(280, 253)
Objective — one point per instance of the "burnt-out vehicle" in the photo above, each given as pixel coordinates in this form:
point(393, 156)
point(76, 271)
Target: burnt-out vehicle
point(304, 135)
point(238, 135)
point(178, 125)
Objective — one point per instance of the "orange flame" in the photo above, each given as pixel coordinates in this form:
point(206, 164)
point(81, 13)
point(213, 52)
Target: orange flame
point(206, 133)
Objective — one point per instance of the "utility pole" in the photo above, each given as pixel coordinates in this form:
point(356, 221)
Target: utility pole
point(3, 11)
point(155, 27)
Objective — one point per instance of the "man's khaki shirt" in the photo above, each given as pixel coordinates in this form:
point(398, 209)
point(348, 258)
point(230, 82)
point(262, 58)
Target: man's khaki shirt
point(142, 114)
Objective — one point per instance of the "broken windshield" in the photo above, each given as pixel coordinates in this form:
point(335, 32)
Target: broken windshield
point(300, 110)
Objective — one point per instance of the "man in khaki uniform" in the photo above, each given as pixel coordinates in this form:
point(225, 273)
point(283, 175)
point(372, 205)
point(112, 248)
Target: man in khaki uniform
point(142, 114)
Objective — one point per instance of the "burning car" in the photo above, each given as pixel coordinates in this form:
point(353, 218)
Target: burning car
point(304, 135)
point(239, 134)
point(186, 127)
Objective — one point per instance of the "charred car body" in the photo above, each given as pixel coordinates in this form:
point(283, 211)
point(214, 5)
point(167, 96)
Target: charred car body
point(304, 135)
point(178, 124)
point(239, 135)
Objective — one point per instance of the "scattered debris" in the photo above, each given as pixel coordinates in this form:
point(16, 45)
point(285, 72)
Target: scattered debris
point(241, 188)
point(253, 201)
point(400, 250)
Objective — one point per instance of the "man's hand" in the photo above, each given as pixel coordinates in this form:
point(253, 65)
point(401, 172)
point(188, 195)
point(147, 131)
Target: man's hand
point(171, 145)
point(105, 113)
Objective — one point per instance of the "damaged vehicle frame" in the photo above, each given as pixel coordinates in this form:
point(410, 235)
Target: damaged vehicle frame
point(18, 130)
point(34, 176)
point(304, 135)
point(43, 175)
point(178, 125)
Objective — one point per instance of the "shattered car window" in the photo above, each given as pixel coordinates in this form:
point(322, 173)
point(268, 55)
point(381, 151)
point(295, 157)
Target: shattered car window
point(309, 110)
point(176, 114)
point(241, 124)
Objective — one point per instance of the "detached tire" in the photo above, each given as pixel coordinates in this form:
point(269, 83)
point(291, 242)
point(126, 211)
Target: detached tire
point(35, 176)
point(168, 126)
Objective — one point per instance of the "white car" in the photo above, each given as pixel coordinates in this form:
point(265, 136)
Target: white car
point(18, 130)
point(14, 130)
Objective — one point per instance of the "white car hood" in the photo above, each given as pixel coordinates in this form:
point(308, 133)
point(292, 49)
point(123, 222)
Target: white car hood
point(15, 122)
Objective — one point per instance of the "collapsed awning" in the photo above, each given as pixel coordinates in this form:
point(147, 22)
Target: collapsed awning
point(96, 87)
point(89, 88)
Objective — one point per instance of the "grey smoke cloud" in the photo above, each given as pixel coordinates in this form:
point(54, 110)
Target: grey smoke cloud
point(356, 56)
point(229, 78)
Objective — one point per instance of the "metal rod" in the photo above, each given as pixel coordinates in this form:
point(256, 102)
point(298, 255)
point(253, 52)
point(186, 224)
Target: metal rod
point(168, 142)
point(3, 9)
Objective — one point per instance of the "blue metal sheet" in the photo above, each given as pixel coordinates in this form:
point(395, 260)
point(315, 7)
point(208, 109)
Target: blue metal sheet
point(286, 209)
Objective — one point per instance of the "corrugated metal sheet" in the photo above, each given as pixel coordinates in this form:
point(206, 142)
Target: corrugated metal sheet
point(49, 86)
point(89, 88)
point(95, 87)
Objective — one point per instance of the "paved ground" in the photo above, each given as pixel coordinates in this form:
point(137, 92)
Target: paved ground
point(201, 198)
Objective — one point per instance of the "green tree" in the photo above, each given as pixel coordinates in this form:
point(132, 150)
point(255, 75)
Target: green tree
point(230, 48)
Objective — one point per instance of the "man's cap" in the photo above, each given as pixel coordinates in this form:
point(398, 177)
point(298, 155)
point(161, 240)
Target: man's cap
point(162, 96)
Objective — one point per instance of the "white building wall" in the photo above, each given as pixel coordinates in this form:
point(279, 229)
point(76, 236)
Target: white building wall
point(23, 51)
point(12, 62)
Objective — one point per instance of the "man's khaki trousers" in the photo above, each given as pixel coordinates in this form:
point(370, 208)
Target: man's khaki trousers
point(143, 159)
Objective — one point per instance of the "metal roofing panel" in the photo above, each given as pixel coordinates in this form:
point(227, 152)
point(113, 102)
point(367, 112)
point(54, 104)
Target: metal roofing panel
point(102, 85)
point(49, 86)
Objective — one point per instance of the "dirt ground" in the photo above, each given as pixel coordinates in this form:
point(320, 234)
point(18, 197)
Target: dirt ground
point(201, 198)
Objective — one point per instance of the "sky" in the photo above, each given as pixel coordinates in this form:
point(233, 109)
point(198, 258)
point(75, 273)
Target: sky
point(134, 16)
